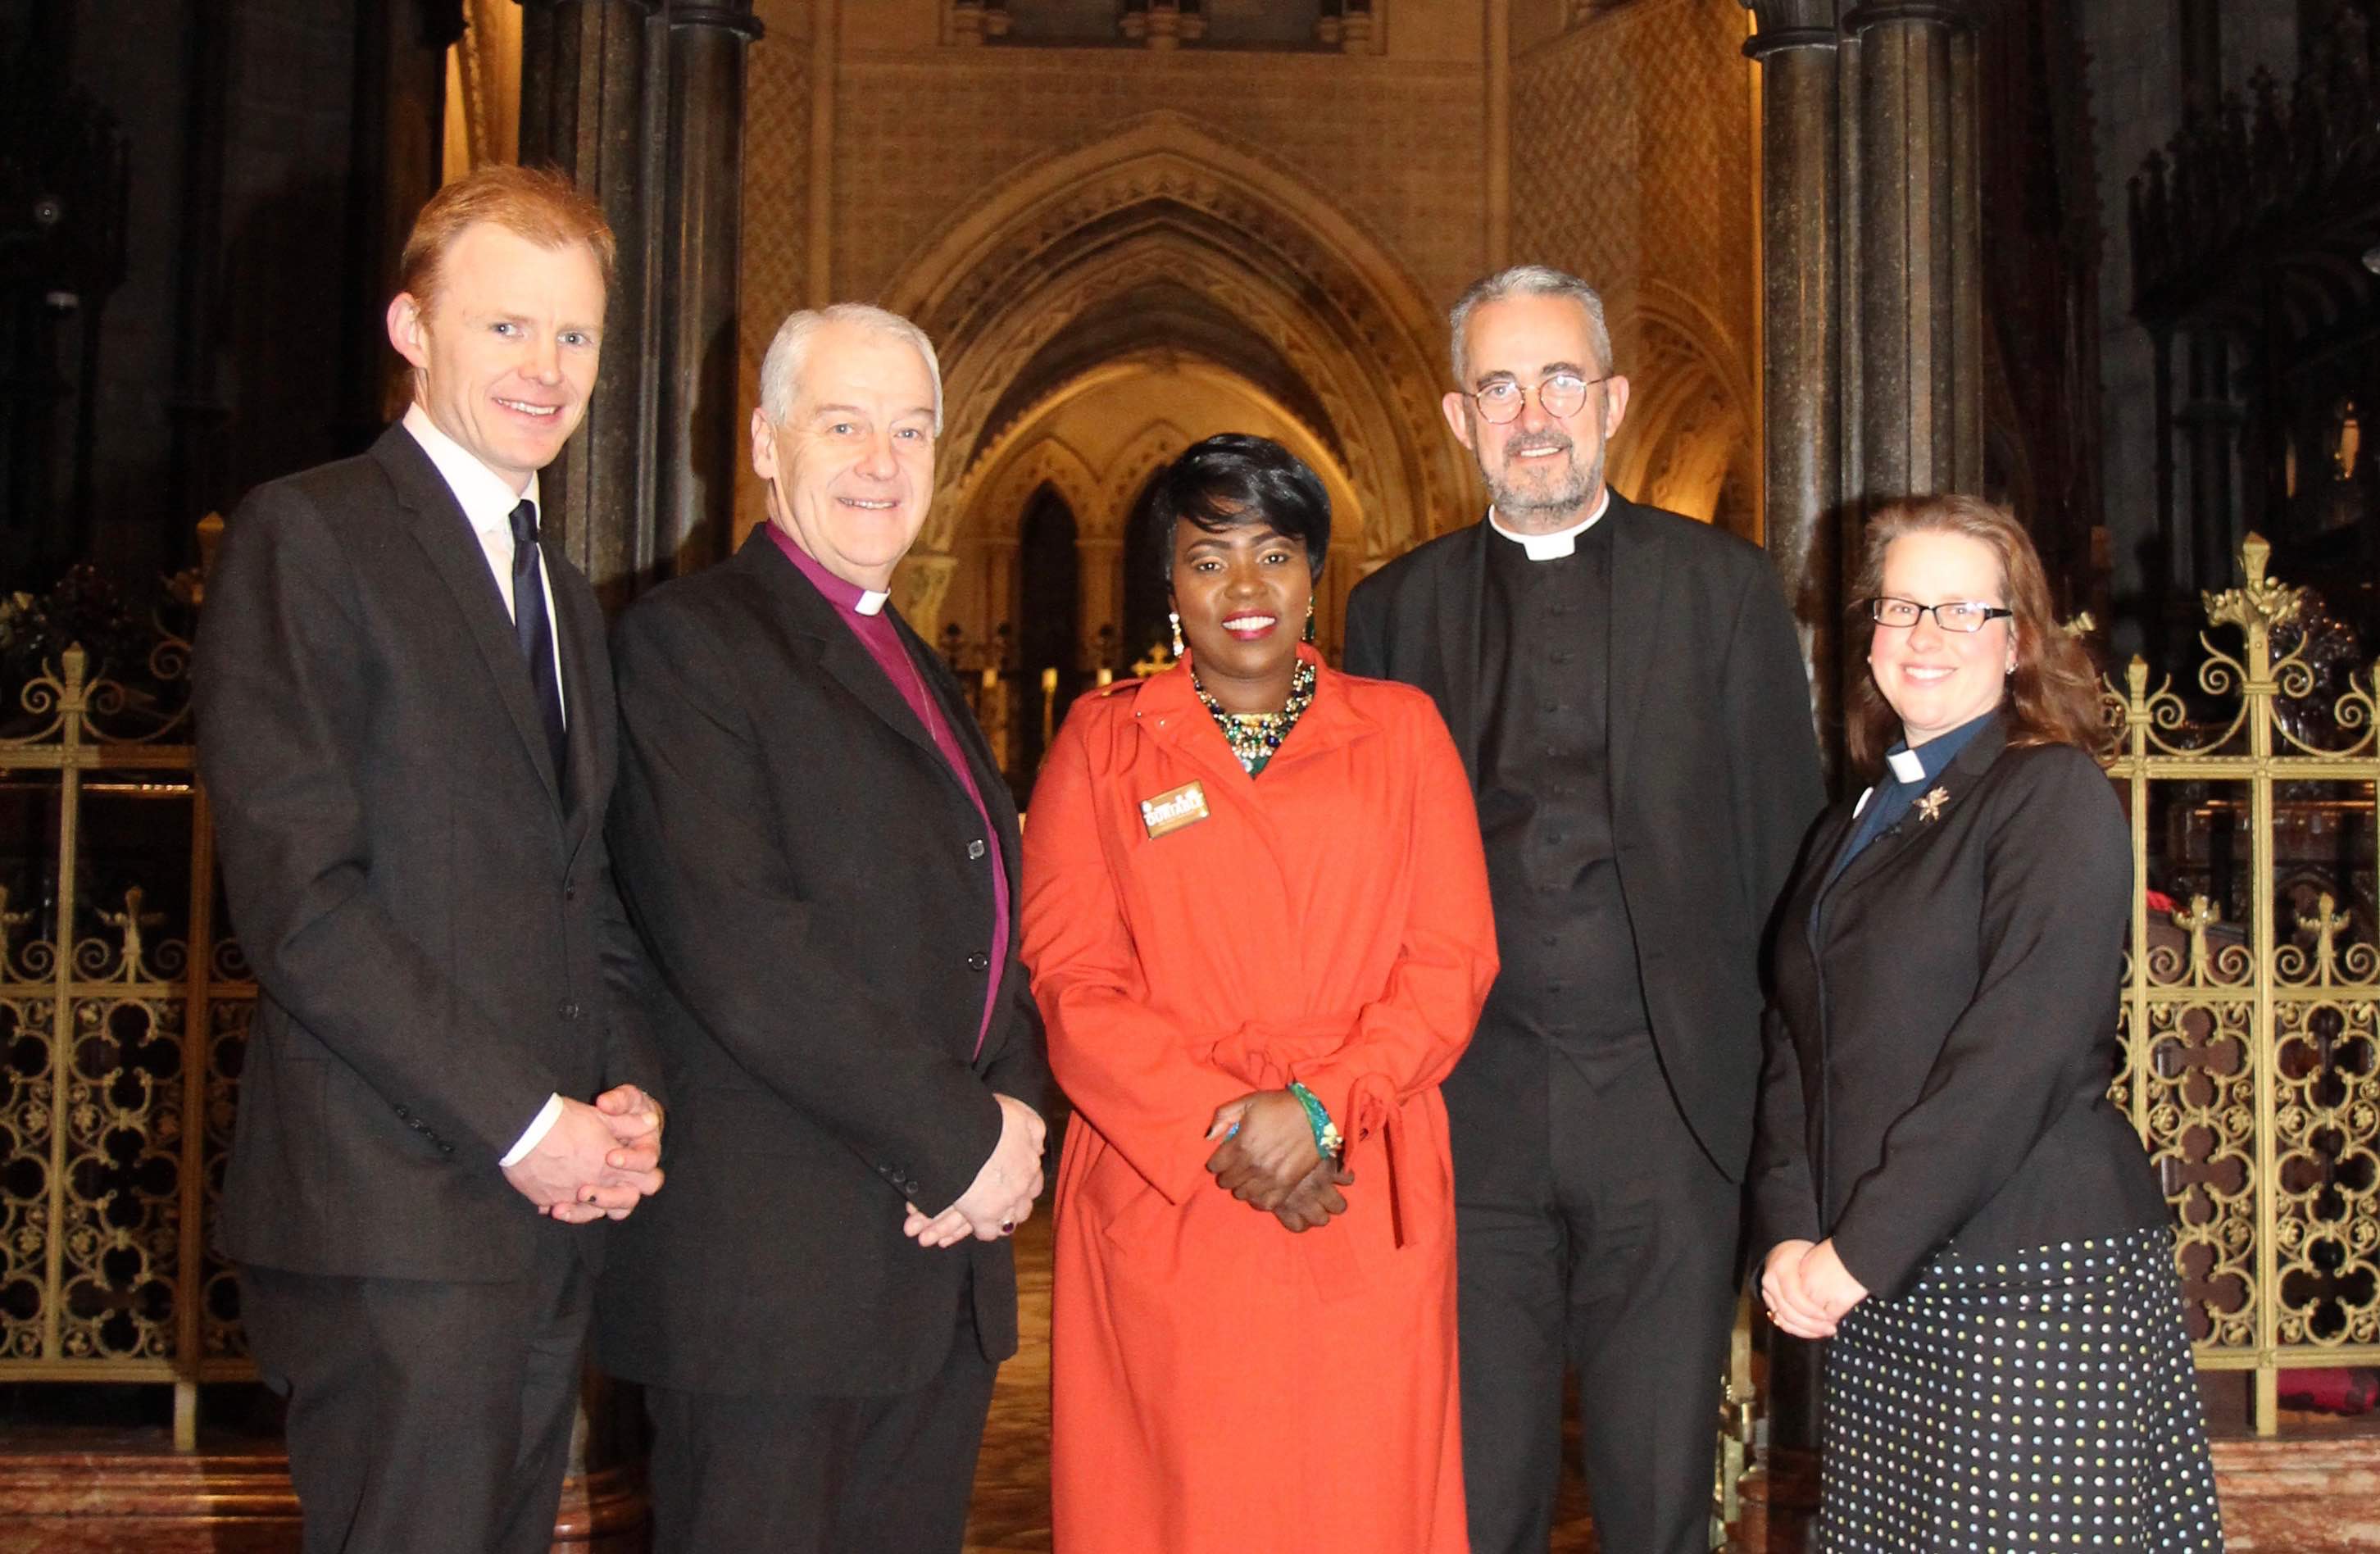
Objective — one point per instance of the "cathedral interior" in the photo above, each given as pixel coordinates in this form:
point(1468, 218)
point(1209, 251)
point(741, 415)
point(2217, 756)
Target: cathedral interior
point(2114, 262)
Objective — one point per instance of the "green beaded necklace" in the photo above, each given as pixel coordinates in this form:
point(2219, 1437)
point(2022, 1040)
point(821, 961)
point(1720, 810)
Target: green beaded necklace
point(1255, 736)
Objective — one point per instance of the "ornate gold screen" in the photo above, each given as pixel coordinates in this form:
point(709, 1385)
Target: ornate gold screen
point(116, 993)
point(2252, 1060)
point(2251, 1030)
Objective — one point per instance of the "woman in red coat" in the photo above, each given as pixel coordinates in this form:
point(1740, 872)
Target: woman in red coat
point(1256, 915)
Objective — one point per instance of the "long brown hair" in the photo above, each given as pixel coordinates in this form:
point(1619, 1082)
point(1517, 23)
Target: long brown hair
point(2053, 695)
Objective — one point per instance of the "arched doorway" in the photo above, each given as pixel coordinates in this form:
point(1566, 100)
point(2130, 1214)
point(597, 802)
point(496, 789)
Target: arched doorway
point(1049, 618)
point(1162, 274)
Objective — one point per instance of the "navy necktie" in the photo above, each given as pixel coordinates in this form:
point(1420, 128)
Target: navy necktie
point(535, 632)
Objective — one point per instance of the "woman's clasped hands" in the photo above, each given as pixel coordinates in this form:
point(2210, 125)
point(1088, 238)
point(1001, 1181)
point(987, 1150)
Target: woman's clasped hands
point(1268, 1159)
point(1807, 1288)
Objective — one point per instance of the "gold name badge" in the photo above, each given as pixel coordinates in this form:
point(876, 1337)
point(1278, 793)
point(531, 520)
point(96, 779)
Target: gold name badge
point(1176, 808)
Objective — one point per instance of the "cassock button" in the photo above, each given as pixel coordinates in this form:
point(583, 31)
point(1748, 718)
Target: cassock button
point(980, 961)
point(975, 848)
point(567, 1009)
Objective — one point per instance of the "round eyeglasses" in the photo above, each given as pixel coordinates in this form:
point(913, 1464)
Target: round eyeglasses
point(1962, 615)
point(1560, 396)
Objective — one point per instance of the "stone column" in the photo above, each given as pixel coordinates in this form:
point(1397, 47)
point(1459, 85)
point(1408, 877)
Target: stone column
point(584, 66)
point(398, 151)
point(1911, 251)
point(1798, 50)
point(1801, 336)
point(701, 260)
point(1101, 582)
point(919, 588)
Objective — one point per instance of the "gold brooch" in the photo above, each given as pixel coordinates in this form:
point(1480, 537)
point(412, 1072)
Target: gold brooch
point(1930, 806)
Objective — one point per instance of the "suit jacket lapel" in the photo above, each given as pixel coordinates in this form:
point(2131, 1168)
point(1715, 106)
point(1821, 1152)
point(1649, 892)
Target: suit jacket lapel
point(441, 531)
point(1957, 781)
point(1639, 566)
point(840, 651)
point(990, 783)
point(1462, 606)
point(585, 699)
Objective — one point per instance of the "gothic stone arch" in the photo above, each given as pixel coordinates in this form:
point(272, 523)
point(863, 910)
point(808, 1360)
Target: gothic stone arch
point(1167, 202)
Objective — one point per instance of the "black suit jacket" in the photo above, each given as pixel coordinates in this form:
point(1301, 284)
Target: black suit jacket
point(430, 912)
point(815, 886)
point(1943, 1033)
point(1713, 776)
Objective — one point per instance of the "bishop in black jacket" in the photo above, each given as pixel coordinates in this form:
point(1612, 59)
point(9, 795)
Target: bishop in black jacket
point(1627, 689)
point(818, 847)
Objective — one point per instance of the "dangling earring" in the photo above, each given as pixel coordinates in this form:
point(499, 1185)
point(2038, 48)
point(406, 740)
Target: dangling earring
point(1309, 618)
point(1174, 616)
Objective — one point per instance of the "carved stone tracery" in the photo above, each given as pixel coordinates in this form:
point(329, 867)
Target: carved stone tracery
point(1167, 202)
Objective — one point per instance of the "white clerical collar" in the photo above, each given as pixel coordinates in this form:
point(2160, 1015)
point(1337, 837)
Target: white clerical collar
point(1561, 541)
point(487, 498)
point(870, 602)
point(1906, 766)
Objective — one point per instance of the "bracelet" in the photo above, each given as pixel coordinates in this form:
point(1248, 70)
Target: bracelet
point(1325, 1132)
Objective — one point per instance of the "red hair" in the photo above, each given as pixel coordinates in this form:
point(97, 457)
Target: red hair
point(2053, 693)
point(535, 203)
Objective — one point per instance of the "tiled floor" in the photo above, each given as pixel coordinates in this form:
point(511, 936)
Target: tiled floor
point(1011, 1482)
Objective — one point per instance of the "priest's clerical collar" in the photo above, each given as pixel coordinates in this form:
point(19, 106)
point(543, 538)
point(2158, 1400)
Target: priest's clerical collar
point(1933, 757)
point(851, 596)
point(1561, 541)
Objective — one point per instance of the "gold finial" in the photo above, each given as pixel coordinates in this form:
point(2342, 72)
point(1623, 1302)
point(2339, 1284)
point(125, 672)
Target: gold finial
point(130, 922)
point(2260, 604)
point(2325, 923)
point(2198, 917)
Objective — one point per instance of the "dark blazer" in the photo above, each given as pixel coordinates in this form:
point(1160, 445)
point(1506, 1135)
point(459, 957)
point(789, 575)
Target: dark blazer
point(815, 888)
point(430, 914)
point(1943, 1033)
point(1714, 775)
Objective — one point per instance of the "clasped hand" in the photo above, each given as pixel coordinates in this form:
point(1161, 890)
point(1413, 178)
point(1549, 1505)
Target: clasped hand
point(1267, 1160)
point(1002, 1196)
point(596, 1162)
point(1807, 1288)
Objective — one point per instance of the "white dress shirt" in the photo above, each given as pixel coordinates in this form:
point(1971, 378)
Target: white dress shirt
point(1561, 541)
point(488, 502)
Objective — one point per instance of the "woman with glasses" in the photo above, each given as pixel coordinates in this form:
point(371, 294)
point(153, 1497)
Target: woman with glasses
point(1940, 1185)
point(1256, 912)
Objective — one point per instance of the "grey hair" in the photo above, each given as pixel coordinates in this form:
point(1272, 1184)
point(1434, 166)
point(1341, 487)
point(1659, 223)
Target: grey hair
point(782, 368)
point(1529, 280)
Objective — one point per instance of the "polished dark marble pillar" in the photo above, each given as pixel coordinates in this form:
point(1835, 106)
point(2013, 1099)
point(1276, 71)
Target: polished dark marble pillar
point(586, 65)
point(1802, 334)
point(1913, 389)
point(701, 252)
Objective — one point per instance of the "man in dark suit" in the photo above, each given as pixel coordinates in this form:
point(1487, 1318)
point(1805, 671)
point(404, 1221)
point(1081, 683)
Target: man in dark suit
point(407, 734)
point(822, 856)
point(1627, 689)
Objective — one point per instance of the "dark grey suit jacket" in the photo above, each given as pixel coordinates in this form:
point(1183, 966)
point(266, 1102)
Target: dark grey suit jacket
point(430, 914)
point(816, 891)
point(1944, 1031)
point(1714, 779)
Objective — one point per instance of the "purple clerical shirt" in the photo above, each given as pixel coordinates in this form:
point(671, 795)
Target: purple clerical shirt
point(863, 613)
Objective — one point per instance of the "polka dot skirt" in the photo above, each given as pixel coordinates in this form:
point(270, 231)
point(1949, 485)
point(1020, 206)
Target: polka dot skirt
point(2044, 1401)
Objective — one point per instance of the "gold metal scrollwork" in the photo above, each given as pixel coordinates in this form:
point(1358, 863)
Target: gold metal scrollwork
point(121, 1017)
point(2252, 1062)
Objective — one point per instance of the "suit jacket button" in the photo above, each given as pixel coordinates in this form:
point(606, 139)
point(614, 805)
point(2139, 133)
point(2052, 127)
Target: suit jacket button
point(980, 961)
point(570, 892)
point(445, 1149)
point(975, 848)
point(568, 1009)
point(403, 1112)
